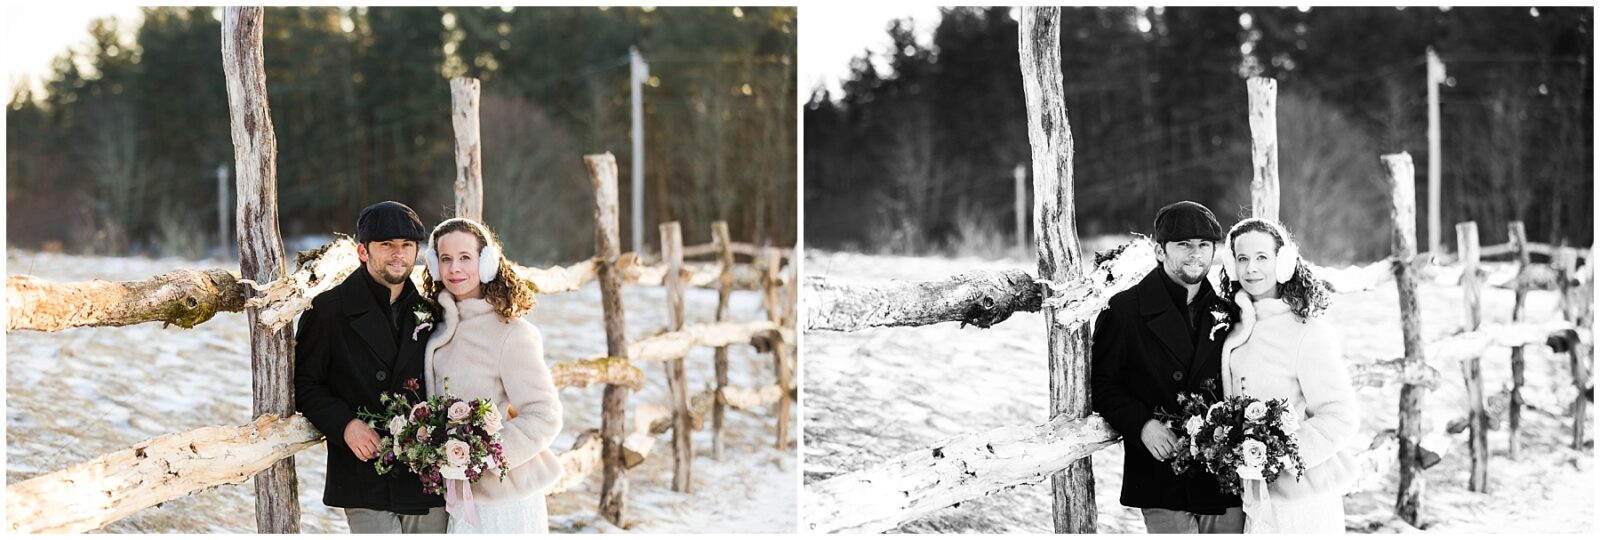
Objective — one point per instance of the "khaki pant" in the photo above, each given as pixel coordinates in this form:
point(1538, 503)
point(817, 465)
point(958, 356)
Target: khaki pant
point(365, 521)
point(1163, 521)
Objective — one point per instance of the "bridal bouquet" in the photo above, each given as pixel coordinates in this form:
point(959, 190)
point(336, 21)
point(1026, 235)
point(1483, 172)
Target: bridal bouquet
point(1235, 439)
point(439, 438)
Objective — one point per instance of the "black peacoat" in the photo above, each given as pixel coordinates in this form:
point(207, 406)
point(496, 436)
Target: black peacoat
point(347, 354)
point(1143, 355)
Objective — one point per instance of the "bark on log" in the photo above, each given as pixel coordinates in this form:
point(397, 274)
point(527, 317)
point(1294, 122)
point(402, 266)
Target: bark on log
point(579, 462)
point(950, 472)
point(88, 496)
point(981, 298)
point(261, 254)
point(469, 152)
point(1080, 299)
point(614, 404)
point(721, 241)
point(677, 382)
point(1401, 176)
point(669, 345)
point(1056, 239)
point(318, 271)
point(603, 370)
point(1263, 94)
point(181, 297)
point(701, 276)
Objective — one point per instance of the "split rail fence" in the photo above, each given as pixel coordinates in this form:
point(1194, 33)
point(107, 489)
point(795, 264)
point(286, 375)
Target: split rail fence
point(92, 494)
point(970, 466)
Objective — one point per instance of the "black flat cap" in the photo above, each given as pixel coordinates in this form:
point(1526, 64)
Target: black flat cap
point(388, 220)
point(1184, 220)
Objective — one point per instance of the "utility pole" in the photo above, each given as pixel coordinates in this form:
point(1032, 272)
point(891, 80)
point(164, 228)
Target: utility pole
point(1436, 77)
point(639, 72)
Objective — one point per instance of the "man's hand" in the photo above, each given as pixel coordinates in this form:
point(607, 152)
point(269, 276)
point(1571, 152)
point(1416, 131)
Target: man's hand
point(1159, 440)
point(361, 439)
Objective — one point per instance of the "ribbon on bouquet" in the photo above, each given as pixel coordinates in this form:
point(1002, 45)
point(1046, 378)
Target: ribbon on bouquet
point(1257, 506)
point(458, 501)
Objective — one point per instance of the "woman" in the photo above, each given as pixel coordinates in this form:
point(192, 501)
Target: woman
point(483, 349)
point(1281, 350)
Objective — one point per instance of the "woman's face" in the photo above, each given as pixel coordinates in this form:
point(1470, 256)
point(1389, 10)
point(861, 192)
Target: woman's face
point(1255, 262)
point(458, 264)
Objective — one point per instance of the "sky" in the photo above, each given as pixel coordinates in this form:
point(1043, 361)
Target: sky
point(36, 33)
point(833, 33)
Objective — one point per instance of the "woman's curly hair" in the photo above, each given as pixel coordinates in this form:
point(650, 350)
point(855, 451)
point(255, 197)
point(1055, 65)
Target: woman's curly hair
point(1306, 295)
point(510, 298)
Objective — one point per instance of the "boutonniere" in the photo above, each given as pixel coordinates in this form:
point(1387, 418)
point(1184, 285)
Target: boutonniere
point(1222, 323)
point(424, 321)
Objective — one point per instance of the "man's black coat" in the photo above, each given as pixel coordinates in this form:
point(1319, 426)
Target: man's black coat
point(346, 354)
point(1143, 355)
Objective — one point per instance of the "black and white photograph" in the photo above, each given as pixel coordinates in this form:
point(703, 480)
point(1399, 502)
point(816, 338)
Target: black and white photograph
point(1198, 270)
point(401, 269)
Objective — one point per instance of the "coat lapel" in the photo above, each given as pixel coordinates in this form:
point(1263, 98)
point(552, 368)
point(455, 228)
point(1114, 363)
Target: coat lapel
point(1164, 320)
point(410, 349)
point(1210, 351)
point(367, 321)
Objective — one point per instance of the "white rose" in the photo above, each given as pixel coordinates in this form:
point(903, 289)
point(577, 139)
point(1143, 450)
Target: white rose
point(457, 453)
point(459, 411)
point(1194, 425)
point(451, 472)
point(1253, 452)
point(491, 421)
point(396, 425)
point(1255, 411)
point(1289, 421)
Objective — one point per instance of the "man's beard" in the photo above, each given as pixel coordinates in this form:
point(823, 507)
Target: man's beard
point(1191, 280)
point(382, 272)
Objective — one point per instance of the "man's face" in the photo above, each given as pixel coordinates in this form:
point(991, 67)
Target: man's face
point(1186, 261)
point(389, 261)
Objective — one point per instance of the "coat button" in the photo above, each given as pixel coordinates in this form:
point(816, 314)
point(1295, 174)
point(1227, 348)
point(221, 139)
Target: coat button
point(382, 376)
point(1176, 376)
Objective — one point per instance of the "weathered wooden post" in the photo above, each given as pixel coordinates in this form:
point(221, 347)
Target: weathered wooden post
point(780, 350)
point(614, 403)
point(1056, 239)
point(1566, 264)
point(1519, 247)
point(255, 154)
point(677, 384)
point(1263, 147)
point(1436, 77)
point(464, 92)
point(720, 239)
point(1403, 212)
point(1471, 366)
point(1020, 178)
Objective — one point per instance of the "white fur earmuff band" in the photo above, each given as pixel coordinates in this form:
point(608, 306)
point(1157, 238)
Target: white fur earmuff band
point(488, 257)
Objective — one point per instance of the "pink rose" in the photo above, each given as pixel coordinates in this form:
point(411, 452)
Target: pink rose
point(459, 411)
point(457, 453)
point(422, 434)
point(491, 421)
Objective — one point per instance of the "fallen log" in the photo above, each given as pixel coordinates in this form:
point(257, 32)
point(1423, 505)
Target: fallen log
point(670, 345)
point(90, 495)
point(951, 472)
point(1452, 348)
point(181, 297)
point(579, 462)
point(982, 298)
point(317, 270)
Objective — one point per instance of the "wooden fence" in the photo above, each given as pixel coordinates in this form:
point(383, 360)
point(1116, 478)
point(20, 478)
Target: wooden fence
point(89, 495)
point(952, 471)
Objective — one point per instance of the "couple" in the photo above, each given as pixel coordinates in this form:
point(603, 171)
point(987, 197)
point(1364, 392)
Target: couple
point(375, 333)
point(1164, 336)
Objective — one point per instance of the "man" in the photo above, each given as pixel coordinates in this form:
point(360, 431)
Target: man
point(1152, 342)
point(358, 341)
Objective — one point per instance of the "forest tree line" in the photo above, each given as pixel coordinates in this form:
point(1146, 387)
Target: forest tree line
point(919, 158)
point(119, 152)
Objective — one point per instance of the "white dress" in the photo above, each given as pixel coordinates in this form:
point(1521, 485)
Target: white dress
point(527, 516)
point(1273, 355)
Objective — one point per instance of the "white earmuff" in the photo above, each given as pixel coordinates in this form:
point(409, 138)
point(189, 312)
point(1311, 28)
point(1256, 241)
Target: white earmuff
point(1288, 258)
point(488, 257)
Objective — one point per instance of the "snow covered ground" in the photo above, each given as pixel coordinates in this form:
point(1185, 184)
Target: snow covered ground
point(74, 395)
point(875, 394)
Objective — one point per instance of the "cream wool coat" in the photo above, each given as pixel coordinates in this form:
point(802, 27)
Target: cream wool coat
point(1273, 355)
point(480, 356)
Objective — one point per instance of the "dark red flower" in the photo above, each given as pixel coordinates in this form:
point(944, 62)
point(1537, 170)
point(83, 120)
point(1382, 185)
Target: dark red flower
point(412, 385)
